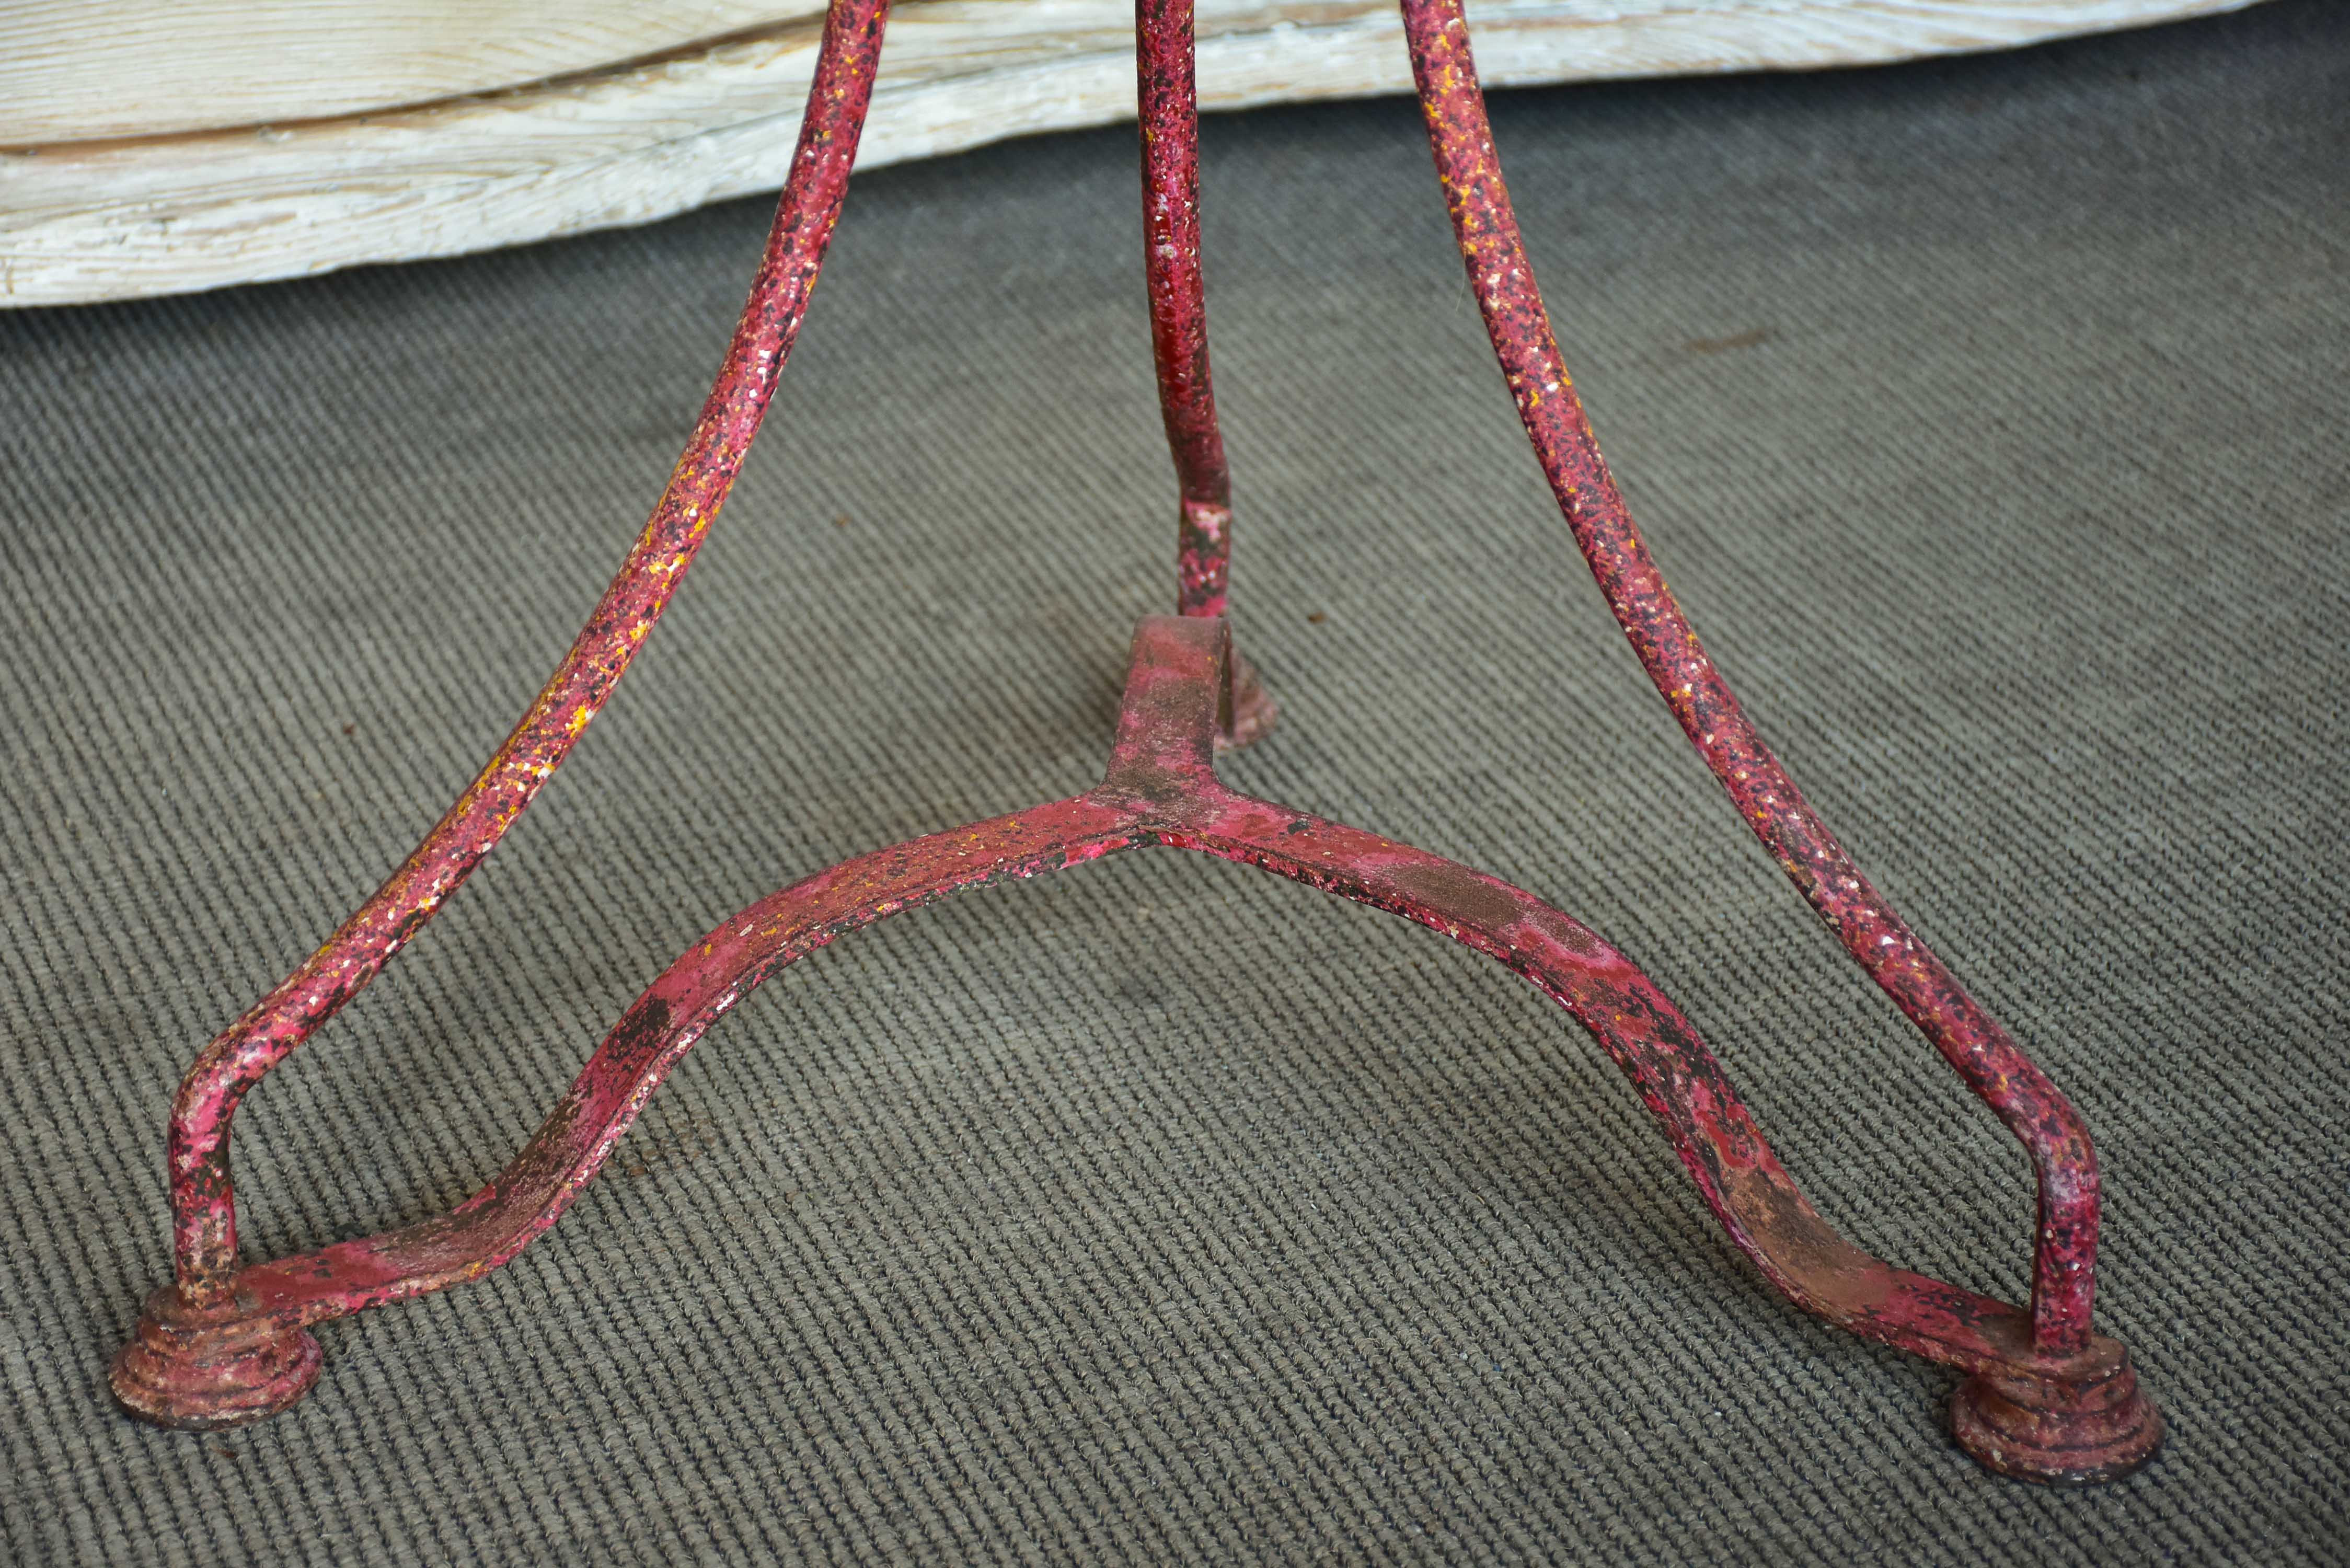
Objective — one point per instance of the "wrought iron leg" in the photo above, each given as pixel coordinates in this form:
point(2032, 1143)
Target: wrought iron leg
point(2020, 1421)
point(199, 1356)
point(2044, 1399)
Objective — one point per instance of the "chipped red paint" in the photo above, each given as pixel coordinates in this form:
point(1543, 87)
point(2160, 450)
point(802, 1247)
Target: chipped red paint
point(1167, 95)
point(2044, 1397)
point(1170, 122)
point(232, 1064)
point(2063, 1161)
point(167, 1373)
point(1161, 789)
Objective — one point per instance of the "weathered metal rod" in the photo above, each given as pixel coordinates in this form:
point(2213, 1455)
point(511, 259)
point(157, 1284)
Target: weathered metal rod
point(2064, 1274)
point(198, 1311)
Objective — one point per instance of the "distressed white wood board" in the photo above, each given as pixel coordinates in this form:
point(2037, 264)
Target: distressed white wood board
point(116, 220)
point(74, 70)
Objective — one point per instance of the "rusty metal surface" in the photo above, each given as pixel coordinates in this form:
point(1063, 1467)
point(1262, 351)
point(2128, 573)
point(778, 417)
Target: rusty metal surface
point(1170, 125)
point(2045, 1398)
point(185, 1362)
point(1168, 102)
point(2064, 1160)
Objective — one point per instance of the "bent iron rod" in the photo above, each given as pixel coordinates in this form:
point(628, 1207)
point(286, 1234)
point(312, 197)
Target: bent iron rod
point(2048, 1399)
point(204, 1200)
point(2064, 1162)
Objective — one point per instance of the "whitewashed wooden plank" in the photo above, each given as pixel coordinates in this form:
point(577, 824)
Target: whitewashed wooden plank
point(115, 220)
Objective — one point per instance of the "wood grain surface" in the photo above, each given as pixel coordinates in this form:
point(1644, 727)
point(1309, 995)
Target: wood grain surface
point(109, 194)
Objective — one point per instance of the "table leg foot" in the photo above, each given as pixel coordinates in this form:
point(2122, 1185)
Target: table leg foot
point(192, 1368)
point(2071, 1427)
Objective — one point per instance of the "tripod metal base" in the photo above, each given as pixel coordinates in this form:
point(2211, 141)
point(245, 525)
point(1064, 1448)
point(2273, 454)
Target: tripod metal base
point(2020, 1414)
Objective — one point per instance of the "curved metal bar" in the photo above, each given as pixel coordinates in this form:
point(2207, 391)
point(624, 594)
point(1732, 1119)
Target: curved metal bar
point(1164, 767)
point(2063, 1161)
point(492, 1225)
point(1175, 709)
point(245, 1352)
point(203, 1191)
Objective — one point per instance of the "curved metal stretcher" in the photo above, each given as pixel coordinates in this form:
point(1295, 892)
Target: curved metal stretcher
point(2043, 1397)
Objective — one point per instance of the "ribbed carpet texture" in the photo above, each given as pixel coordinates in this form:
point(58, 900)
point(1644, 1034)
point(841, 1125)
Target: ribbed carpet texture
point(1988, 415)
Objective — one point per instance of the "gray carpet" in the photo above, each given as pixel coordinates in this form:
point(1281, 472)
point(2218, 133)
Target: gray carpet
point(1988, 415)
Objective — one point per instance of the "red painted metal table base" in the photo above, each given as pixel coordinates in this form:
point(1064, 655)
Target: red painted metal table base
point(2042, 1396)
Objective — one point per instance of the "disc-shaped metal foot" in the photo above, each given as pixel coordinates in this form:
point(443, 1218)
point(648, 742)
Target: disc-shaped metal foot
point(189, 1367)
point(2086, 1422)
